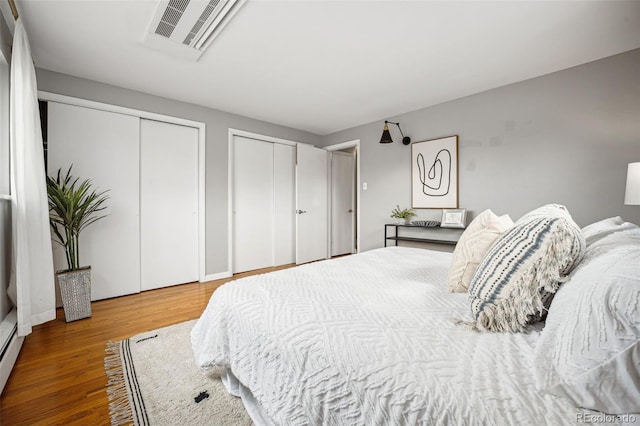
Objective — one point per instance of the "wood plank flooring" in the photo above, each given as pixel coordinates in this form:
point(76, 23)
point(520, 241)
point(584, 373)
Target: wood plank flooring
point(59, 376)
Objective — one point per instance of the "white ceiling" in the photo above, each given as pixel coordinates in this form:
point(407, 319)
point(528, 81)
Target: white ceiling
point(323, 66)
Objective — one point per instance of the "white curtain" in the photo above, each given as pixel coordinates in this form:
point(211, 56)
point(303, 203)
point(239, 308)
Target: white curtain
point(32, 280)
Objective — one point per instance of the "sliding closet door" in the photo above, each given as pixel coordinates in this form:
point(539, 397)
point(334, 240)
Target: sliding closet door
point(168, 204)
point(253, 200)
point(103, 147)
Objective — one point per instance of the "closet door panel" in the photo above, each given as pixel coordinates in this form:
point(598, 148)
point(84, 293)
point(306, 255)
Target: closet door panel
point(312, 202)
point(284, 193)
point(168, 204)
point(103, 147)
point(252, 221)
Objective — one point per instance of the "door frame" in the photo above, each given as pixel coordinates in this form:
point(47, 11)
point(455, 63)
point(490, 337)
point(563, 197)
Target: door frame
point(355, 143)
point(232, 134)
point(70, 100)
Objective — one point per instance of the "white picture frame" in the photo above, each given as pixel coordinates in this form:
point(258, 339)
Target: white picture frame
point(434, 173)
point(454, 218)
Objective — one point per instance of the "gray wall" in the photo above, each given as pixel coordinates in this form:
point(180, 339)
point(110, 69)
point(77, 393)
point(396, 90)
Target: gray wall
point(217, 123)
point(561, 138)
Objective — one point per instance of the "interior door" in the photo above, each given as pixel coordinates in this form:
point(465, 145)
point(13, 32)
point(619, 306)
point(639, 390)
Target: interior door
point(253, 199)
point(342, 203)
point(311, 203)
point(105, 148)
point(168, 204)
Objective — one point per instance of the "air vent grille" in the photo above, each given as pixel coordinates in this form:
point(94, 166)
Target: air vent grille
point(171, 17)
point(206, 13)
point(186, 28)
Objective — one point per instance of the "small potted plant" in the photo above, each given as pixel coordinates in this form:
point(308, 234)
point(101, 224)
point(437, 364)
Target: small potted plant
point(72, 207)
point(403, 215)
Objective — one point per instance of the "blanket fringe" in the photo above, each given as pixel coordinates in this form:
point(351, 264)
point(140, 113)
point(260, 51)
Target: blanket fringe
point(119, 405)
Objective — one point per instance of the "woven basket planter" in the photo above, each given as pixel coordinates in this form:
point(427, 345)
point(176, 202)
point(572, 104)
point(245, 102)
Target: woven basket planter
point(75, 290)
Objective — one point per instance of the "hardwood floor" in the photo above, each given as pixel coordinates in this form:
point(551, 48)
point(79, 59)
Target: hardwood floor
point(59, 376)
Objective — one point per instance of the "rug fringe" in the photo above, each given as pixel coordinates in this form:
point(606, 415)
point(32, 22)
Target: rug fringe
point(119, 406)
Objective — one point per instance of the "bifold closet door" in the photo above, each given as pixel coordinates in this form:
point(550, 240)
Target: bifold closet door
point(263, 185)
point(103, 147)
point(252, 204)
point(284, 205)
point(168, 204)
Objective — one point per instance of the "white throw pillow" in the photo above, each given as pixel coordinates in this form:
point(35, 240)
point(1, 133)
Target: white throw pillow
point(604, 227)
point(473, 244)
point(589, 350)
point(517, 278)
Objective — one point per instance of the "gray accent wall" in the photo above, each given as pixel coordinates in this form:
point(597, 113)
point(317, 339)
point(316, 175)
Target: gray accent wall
point(217, 141)
point(565, 138)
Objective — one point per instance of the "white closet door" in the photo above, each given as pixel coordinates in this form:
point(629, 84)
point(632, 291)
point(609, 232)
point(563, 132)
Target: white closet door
point(168, 204)
point(104, 147)
point(312, 204)
point(252, 204)
point(284, 193)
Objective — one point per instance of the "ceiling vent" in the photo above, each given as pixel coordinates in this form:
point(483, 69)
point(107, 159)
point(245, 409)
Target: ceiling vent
point(186, 28)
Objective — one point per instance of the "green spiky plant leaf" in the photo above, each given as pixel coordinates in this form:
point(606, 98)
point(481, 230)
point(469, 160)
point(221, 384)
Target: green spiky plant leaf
point(72, 207)
point(399, 213)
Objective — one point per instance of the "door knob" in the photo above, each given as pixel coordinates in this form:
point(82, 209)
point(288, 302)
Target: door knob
point(300, 211)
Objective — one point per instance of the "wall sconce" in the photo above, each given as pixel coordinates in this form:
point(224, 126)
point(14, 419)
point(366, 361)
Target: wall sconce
point(632, 192)
point(386, 136)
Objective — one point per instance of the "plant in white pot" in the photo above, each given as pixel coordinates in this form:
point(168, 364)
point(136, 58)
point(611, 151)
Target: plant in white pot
point(73, 206)
point(402, 215)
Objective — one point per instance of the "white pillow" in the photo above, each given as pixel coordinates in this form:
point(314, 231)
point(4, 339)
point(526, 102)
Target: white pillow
point(516, 280)
point(473, 244)
point(589, 350)
point(604, 227)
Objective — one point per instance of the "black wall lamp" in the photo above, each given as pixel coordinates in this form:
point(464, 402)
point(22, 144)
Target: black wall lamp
point(386, 136)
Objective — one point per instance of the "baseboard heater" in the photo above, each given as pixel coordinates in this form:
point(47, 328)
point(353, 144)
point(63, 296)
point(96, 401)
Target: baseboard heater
point(10, 345)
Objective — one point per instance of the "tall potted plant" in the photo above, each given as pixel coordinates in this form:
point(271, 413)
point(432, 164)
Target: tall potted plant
point(72, 207)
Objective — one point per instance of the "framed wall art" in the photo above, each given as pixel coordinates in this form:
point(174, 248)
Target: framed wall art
point(434, 173)
point(454, 218)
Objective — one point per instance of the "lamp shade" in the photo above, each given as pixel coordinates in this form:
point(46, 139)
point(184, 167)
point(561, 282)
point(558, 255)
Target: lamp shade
point(386, 136)
point(632, 194)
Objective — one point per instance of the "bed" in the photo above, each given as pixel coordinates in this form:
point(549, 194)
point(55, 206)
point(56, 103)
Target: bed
point(371, 339)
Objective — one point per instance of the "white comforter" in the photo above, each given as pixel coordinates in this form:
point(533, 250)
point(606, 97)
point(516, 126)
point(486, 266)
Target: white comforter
point(370, 339)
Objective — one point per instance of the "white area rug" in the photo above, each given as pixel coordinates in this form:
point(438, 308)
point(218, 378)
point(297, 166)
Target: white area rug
point(153, 380)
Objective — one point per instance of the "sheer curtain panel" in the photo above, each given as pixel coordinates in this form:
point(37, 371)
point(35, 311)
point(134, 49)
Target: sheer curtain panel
point(32, 279)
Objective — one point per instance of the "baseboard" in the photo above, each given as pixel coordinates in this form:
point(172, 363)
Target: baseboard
point(218, 276)
point(10, 345)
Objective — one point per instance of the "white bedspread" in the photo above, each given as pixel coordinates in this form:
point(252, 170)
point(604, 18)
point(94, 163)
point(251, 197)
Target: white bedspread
point(369, 339)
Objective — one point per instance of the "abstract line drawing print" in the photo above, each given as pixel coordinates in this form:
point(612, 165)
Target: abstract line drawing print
point(436, 182)
point(434, 173)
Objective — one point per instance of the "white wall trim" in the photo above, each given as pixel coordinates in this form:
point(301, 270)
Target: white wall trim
point(233, 133)
point(70, 100)
point(202, 137)
point(10, 345)
point(257, 136)
point(202, 205)
point(352, 144)
point(218, 276)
